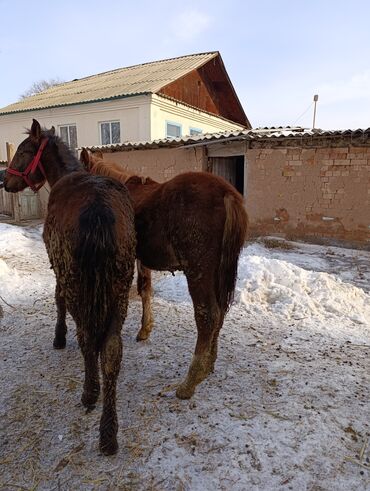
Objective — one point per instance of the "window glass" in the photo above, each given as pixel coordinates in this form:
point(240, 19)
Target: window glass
point(116, 133)
point(72, 137)
point(105, 133)
point(64, 134)
point(173, 130)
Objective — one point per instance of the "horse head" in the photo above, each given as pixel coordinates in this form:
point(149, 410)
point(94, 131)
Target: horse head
point(26, 169)
point(88, 159)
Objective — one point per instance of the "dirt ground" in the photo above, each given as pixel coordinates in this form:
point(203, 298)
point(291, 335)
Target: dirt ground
point(286, 409)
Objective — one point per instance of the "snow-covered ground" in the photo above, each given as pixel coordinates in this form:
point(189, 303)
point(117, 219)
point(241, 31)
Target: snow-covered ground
point(287, 407)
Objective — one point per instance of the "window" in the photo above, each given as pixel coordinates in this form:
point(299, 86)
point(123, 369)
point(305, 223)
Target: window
point(110, 132)
point(195, 131)
point(68, 133)
point(173, 130)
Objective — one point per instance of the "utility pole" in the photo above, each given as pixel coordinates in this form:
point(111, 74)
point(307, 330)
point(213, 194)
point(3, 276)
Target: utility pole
point(315, 99)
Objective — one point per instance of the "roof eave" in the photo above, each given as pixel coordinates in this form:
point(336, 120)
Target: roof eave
point(92, 101)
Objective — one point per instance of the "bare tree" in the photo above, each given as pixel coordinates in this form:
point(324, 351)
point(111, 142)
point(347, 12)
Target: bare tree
point(40, 86)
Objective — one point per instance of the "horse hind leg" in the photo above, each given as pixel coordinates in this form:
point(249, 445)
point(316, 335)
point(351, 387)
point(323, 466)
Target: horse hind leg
point(91, 388)
point(207, 318)
point(110, 357)
point(144, 288)
point(61, 326)
point(214, 343)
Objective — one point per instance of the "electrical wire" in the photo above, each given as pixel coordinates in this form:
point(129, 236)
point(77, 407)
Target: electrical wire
point(304, 112)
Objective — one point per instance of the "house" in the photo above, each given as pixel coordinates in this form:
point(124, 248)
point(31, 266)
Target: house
point(171, 98)
point(297, 183)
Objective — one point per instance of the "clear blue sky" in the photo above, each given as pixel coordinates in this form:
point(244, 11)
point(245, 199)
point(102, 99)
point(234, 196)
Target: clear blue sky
point(278, 53)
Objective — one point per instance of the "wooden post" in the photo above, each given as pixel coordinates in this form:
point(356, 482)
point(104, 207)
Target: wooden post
point(15, 196)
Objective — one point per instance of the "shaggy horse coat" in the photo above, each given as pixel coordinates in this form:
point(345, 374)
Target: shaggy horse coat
point(90, 239)
point(196, 223)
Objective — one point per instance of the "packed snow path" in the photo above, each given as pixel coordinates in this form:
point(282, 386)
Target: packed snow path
point(287, 406)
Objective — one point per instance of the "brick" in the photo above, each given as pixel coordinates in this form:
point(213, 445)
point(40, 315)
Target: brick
point(359, 162)
point(357, 150)
point(345, 173)
point(327, 162)
point(323, 156)
point(355, 156)
point(342, 162)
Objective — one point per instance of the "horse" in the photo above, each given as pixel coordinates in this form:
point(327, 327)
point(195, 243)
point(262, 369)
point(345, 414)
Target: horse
point(90, 240)
point(195, 223)
point(2, 176)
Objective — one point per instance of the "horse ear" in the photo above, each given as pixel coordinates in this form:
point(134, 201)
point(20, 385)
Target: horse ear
point(35, 132)
point(52, 130)
point(98, 154)
point(85, 158)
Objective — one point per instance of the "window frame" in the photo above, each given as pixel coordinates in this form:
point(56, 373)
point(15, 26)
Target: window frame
point(68, 126)
point(110, 122)
point(198, 131)
point(178, 125)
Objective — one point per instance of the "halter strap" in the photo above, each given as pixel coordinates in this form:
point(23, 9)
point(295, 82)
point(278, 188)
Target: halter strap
point(31, 168)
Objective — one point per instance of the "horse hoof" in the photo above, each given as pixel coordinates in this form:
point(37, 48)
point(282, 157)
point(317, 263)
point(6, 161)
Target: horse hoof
point(109, 447)
point(59, 343)
point(184, 392)
point(142, 336)
point(89, 401)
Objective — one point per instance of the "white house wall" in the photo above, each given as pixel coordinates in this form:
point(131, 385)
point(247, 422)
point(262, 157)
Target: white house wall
point(133, 113)
point(164, 109)
point(142, 118)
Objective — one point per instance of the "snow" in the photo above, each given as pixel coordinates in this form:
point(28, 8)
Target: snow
point(286, 408)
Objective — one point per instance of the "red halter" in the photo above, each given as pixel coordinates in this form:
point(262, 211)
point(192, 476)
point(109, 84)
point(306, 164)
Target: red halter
point(31, 168)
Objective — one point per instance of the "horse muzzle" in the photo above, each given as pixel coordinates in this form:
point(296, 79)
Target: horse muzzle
point(2, 178)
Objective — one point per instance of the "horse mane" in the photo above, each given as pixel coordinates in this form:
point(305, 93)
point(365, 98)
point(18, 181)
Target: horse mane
point(102, 167)
point(68, 160)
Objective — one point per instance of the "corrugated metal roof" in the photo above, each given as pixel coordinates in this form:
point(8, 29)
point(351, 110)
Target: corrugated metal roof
point(268, 133)
point(123, 82)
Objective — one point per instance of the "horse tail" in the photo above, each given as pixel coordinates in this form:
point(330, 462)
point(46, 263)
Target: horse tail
point(234, 235)
point(95, 256)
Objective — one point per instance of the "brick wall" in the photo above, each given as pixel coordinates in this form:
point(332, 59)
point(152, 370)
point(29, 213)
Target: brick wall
point(160, 164)
point(310, 193)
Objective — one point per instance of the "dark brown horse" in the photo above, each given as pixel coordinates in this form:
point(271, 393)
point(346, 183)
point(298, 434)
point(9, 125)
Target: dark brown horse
point(2, 177)
point(90, 239)
point(196, 223)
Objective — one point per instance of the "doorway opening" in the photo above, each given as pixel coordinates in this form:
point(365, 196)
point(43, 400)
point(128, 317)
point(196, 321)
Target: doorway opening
point(231, 169)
